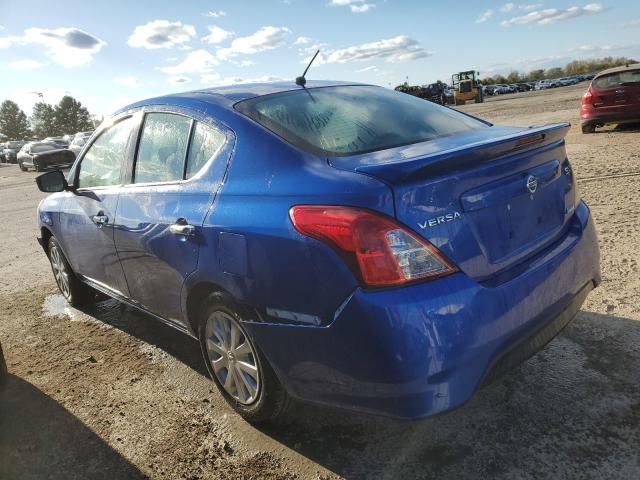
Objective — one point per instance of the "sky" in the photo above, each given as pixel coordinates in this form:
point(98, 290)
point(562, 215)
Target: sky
point(110, 53)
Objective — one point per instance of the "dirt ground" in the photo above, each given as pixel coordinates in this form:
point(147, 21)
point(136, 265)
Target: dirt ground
point(110, 393)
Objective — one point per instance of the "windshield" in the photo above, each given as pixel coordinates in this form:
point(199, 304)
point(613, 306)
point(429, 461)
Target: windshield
point(15, 144)
point(348, 120)
point(612, 80)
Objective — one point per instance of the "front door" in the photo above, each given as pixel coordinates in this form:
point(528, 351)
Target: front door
point(88, 212)
point(160, 213)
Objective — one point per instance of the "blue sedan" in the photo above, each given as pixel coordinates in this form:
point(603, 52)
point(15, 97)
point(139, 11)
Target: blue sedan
point(340, 244)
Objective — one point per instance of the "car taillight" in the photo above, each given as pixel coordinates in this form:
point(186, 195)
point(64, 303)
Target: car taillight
point(587, 98)
point(386, 253)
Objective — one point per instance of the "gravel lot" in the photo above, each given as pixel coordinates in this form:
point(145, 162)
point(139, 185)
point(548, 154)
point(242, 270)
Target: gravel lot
point(110, 393)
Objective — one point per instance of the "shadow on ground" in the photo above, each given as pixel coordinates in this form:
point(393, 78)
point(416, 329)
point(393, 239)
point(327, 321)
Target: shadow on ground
point(572, 410)
point(41, 439)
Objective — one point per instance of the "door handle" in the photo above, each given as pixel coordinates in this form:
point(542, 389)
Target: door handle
point(181, 227)
point(100, 219)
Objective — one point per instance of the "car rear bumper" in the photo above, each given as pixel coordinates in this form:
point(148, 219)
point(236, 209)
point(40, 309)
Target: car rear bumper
point(423, 349)
point(595, 116)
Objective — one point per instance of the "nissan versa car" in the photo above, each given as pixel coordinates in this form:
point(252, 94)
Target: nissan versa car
point(340, 244)
point(612, 97)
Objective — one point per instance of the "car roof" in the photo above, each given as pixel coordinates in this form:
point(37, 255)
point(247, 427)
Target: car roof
point(227, 96)
point(624, 68)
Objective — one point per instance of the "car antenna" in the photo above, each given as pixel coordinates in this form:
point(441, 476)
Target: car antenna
point(301, 80)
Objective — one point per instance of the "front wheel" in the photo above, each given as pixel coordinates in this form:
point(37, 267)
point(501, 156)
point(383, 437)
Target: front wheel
point(73, 290)
point(22, 167)
point(37, 166)
point(238, 368)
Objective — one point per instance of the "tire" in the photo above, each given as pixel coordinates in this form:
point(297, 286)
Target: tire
point(37, 166)
point(22, 167)
point(217, 319)
point(3, 365)
point(73, 290)
point(588, 128)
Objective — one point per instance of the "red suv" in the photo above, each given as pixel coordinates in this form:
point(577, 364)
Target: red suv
point(612, 97)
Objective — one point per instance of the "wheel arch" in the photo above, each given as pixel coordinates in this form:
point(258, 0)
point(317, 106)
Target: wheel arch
point(45, 235)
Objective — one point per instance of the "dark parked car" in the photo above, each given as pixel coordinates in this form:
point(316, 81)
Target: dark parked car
point(11, 149)
point(79, 141)
point(612, 97)
point(43, 155)
point(342, 244)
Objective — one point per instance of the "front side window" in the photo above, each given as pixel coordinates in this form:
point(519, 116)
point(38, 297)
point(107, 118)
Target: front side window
point(163, 148)
point(205, 143)
point(102, 164)
point(349, 120)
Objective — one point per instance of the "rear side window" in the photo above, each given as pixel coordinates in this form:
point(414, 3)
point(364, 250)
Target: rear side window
point(348, 120)
point(205, 143)
point(163, 148)
point(620, 79)
point(102, 164)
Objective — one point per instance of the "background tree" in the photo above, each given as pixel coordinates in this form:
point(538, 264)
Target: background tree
point(554, 72)
point(43, 120)
point(515, 77)
point(535, 75)
point(13, 121)
point(71, 116)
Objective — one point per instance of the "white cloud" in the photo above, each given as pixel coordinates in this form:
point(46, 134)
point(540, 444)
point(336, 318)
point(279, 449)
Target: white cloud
point(197, 61)
point(178, 79)
point(507, 7)
point(302, 41)
point(217, 35)
point(552, 15)
point(529, 7)
point(215, 14)
point(371, 68)
point(216, 80)
point(356, 6)
point(6, 42)
point(161, 34)
point(485, 16)
point(67, 46)
point(25, 64)
point(267, 38)
point(130, 81)
point(365, 7)
point(394, 49)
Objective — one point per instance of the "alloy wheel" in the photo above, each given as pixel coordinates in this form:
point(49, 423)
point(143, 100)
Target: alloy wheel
point(60, 271)
point(232, 357)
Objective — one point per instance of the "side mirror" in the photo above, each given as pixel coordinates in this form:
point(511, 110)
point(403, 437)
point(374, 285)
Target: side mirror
point(52, 182)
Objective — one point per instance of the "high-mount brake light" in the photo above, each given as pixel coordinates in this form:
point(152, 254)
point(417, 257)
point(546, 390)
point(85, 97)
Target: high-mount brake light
point(387, 253)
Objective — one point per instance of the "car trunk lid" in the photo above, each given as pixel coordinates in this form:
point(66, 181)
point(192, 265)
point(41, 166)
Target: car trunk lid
point(488, 198)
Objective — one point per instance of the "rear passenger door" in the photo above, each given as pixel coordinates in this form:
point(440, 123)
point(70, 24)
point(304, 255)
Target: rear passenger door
point(178, 166)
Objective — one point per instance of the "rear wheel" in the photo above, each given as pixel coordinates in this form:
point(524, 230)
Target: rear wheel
point(73, 290)
point(588, 128)
point(238, 368)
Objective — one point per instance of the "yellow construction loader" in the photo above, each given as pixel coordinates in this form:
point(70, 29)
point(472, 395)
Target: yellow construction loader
point(466, 86)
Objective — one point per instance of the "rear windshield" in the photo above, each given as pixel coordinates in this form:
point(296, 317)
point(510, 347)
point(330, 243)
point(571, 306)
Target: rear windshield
point(42, 147)
point(348, 120)
point(629, 77)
